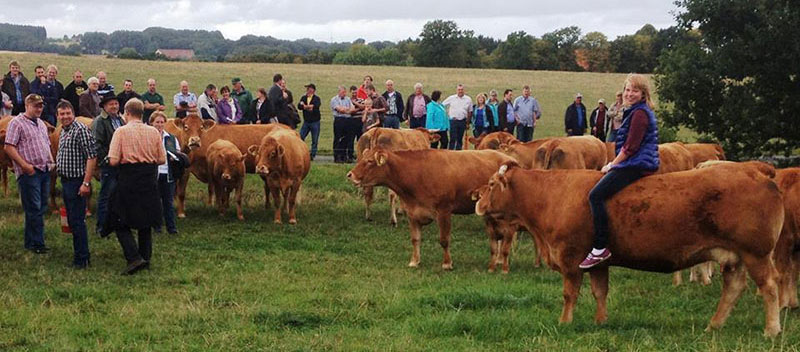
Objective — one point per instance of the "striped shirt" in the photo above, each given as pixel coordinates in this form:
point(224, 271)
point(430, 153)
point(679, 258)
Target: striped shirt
point(137, 143)
point(75, 146)
point(32, 140)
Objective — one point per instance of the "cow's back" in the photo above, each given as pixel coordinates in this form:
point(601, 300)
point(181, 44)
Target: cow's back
point(583, 152)
point(523, 153)
point(392, 139)
point(705, 151)
point(242, 136)
point(674, 157)
point(492, 140)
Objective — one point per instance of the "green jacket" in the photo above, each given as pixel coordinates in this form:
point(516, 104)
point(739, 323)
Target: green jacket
point(103, 130)
point(245, 98)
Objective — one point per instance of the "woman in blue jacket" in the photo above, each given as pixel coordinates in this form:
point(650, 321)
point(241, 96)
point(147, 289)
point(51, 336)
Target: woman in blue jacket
point(637, 156)
point(484, 119)
point(437, 120)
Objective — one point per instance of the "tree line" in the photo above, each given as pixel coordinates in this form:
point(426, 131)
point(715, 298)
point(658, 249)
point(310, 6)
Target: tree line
point(440, 43)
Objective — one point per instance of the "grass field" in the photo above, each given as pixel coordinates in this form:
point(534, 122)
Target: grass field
point(336, 281)
point(554, 90)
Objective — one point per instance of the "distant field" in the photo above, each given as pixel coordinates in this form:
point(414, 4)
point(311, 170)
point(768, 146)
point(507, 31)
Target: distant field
point(554, 90)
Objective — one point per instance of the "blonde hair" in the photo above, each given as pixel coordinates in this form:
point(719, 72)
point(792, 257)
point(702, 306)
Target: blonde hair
point(156, 115)
point(640, 82)
point(482, 95)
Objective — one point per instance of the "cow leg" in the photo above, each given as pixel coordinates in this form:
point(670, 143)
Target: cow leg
point(505, 251)
point(492, 232)
point(180, 194)
point(369, 193)
point(734, 281)
point(266, 193)
point(293, 202)
point(705, 272)
point(276, 197)
point(416, 238)
point(219, 193)
point(795, 270)
point(393, 204)
point(239, 214)
point(572, 286)
point(599, 280)
point(538, 252)
point(676, 278)
point(763, 272)
point(211, 193)
point(444, 239)
point(4, 177)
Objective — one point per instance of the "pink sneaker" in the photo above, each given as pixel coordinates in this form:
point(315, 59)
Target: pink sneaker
point(592, 260)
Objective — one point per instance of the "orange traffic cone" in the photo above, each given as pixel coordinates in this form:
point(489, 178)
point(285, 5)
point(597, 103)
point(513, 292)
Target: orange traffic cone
point(64, 223)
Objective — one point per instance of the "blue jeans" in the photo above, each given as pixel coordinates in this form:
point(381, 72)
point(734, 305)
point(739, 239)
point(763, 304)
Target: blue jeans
point(312, 127)
point(167, 192)
point(478, 130)
point(415, 122)
point(391, 121)
point(457, 129)
point(612, 136)
point(524, 133)
point(76, 217)
point(34, 191)
point(108, 181)
point(613, 182)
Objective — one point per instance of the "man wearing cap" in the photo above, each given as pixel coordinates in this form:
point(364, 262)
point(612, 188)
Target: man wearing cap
point(103, 129)
point(527, 112)
point(184, 100)
point(90, 99)
point(598, 121)
point(75, 163)
point(575, 117)
point(245, 99)
point(309, 104)
point(152, 100)
point(394, 102)
point(28, 145)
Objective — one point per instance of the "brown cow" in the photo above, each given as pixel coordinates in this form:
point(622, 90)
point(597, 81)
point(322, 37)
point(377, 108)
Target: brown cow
point(731, 213)
point(582, 152)
point(492, 140)
point(392, 139)
point(705, 151)
point(226, 172)
point(523, 153)
point(283, 158)
point(432, 184)
point(787, 251)
point(196, 134)
point(611, 151)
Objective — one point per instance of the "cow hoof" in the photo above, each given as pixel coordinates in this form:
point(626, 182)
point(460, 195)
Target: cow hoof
point(88, 213)
point(277, 222)
point(181, 216)
point(394, 223)
point(292, 221)
point(413, 264)
point(491, 270)
point(240, 217)
point(772, 331)
point(448, 266)
point(505, 271)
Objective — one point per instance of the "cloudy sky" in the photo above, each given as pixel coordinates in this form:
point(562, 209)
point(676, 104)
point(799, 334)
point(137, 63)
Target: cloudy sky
point(342, 20)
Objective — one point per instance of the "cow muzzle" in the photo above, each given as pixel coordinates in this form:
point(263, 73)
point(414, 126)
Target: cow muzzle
point(262, 170)
point(194, 143)
point(352, 178)
point(226, 176)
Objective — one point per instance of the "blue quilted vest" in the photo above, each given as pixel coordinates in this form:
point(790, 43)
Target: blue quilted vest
point(647, 156)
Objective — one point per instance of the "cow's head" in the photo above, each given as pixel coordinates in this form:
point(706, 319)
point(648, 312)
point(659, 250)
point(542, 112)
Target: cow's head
point(432, 137)
point(230, 164)
point(268, 155)
point(371, 168)
point(496, 197)
point(476, 141)
point(192, 128)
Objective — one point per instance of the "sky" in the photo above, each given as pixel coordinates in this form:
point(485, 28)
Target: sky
point(342, 20)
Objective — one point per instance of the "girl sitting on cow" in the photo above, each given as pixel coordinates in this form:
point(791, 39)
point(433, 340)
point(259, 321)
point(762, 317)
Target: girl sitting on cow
point(637, 156)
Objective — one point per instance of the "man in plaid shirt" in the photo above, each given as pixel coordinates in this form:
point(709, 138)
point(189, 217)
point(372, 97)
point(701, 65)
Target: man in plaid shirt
point(75, 163)
point(28, 145)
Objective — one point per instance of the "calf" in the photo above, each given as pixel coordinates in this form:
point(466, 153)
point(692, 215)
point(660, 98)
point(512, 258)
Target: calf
point(432, 184)
point(492, 140)
point(226, 171)
point(283, 159)
point(730, 213)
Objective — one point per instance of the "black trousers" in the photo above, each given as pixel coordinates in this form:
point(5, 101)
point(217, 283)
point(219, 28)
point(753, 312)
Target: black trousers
point(131, 249)
point(442, 143)
point(353, 133)
point(613, 182)
point(339, 134)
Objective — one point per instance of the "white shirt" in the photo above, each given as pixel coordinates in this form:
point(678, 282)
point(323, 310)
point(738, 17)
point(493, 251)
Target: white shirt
point(458, 107)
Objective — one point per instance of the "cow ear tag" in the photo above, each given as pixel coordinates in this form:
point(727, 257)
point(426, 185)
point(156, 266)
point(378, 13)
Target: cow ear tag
point(381, 159)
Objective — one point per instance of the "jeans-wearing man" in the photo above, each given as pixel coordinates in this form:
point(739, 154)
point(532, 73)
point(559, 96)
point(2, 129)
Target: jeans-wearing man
point(28, 145)
point(309, 104)
point(394, 102)
point(415, 110)
point(527, 113)
point(103, 129)
point(460, 109)
point(75, 162)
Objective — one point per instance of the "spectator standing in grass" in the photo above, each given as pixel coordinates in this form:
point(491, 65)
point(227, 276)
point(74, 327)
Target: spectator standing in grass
point(184, 100)
point(166, 172)
point(27, 144)
point(75, 162)
point(207, 103)
point(309, 105)
point(527, 111)
point(17, 87)
point(415, 107)
point(228, 110)
point(575, 117)
point(103, 128)
point(127, 94)
point(245, 99)
point(90, 99)
point(341, 106)
point(153, 101)
point(104, 88)
point(437, 120)
point(5, 104)
point(483, 119)
point(137, 149)
point(459, 107)
point(74, 89)
point(261, 106)
point(51, 91)
point(394, 106)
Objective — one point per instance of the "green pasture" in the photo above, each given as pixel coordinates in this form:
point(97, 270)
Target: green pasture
point(337, 282)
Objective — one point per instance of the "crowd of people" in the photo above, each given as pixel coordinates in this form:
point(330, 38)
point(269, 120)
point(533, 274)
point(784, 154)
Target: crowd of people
point(139, 161)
